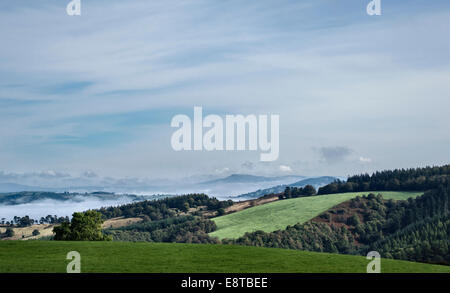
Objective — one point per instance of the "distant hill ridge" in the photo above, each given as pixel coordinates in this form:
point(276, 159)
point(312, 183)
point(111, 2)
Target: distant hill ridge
point(316, 182)
point(246, 178)
point(14, 198)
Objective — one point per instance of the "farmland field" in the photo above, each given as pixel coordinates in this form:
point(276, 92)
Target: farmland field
point(279, 214)
point(140, 257)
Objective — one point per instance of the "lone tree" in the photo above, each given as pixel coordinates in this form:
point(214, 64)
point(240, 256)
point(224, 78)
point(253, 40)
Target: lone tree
point(85, 226)
point(9, 232)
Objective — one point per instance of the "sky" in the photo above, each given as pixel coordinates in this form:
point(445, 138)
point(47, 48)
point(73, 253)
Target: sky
point(92, 96)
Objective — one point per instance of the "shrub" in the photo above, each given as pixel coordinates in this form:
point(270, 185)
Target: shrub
point(9, 232)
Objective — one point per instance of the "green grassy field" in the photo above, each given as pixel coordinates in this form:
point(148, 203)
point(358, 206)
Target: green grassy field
point(279, 214)
point(140, 257)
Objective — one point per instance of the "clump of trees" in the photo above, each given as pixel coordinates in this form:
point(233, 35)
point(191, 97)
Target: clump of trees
point(294, 192)
point(310, 236)
point(85, 226)
point(8, 233)
point(26, 221)
point(53, 219)
point(164, 208)
point(181, 229)
point(20, 221)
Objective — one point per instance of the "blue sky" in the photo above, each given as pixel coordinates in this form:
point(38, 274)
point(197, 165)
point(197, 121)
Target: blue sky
point(96, 92)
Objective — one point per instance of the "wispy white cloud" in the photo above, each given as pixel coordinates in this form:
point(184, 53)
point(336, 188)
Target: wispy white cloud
point(285, 168)
point(365, 160)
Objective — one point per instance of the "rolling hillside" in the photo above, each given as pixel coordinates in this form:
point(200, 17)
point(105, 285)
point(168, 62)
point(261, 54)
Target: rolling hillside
point(126, 257)
point(279, 214)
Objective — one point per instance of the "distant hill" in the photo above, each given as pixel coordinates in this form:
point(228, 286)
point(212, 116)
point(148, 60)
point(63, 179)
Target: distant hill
point(224, 187)
point(14, 187)
point(236, 184)
point(8, 187)
point(245, 178)
point(316, 182)
point(23, 197)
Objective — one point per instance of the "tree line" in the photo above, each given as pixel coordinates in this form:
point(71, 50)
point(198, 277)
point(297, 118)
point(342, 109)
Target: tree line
point(27, 221)
point(165, 208)
point(415, 179)
point(294, 192)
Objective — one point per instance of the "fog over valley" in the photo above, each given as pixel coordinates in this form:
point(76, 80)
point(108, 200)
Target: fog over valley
point(39, 201)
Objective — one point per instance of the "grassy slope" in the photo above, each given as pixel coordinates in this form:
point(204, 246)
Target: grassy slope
point(127, 257)
point(279, 214)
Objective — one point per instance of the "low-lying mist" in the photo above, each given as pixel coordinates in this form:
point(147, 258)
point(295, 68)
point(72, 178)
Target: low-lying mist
point(42, 208)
